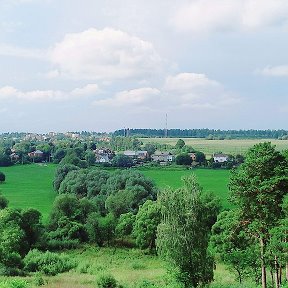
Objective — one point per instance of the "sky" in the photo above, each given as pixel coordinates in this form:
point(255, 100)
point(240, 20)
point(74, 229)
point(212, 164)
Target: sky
point(90, 65)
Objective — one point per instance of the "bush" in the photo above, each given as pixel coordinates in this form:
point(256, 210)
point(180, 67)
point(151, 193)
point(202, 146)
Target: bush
point(3, 202)
point(48, 263)
point(38, 279)
point(106, 281)
point(16, 283)
point(2, 177)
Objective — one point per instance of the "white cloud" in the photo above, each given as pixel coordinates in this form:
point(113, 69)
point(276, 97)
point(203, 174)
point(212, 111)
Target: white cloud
point(217, 15)
point(90, 89)
point(106, 54)
point(196, 91)
point(276, 71)
point(134, 97)
point(184, 90)
point(8, 92)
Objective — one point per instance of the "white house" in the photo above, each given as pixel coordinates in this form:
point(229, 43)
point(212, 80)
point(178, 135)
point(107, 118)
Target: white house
point(220, 158)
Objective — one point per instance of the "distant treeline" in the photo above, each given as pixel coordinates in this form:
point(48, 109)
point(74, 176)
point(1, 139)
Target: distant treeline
point(205, 133)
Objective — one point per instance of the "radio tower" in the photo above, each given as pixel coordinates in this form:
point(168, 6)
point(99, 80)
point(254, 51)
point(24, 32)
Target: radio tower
point(166, 126)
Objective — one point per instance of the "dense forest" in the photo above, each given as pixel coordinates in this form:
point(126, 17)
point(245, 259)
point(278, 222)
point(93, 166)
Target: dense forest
point(205, 133)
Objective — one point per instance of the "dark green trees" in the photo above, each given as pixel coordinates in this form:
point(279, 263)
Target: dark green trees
point(184, 232)
point(258, 188)
point(2, 177)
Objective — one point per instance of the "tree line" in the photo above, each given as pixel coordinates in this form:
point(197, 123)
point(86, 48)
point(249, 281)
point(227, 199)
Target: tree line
point(205, 133)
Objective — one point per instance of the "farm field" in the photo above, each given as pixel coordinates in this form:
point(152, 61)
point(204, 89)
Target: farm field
point(29, 186)
point(211, 180)
point(226, 146)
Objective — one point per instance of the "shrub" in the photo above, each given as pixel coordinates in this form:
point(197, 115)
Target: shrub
point(16, 283)
point(146, 284)
point(3, 202)
point(38, 279)
point(49, 263)
point(2, 177)
point(106, 281)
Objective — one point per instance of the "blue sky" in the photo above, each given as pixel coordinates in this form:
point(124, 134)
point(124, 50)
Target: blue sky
point(71, 65)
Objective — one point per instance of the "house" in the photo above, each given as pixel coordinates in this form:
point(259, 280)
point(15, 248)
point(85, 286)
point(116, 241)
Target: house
point(14, 156)
point(130, 153)
point(141, 155)
point(160, 156)
point(103, 155)
point(220, 158)
point(36, 154)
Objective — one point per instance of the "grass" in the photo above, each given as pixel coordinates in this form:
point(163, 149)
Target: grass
point(29, 186)
point(211, 180)
point(226, 146)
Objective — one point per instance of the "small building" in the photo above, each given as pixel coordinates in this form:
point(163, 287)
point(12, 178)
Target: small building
point(36, 154)
point(220, 158)
point(103, 155)
point(130, 153)
point(160, 156)
point(141, 155)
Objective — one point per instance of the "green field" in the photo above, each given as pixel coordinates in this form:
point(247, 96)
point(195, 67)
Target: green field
point(226, 146)
point(211, 180)
point(29, 186)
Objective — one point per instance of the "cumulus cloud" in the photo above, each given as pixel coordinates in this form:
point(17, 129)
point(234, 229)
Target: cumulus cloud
point(134, 97)
point(276, 71)
point(106, 54)
point(9, 92)
point(196, 91)
point(184, 90)
point(221, 15)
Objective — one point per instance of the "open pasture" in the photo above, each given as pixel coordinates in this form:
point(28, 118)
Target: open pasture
point(212, 146)
point(29, 186)
point(214, 181)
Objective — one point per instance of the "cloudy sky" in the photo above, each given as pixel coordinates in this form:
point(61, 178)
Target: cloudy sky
point(71, 65)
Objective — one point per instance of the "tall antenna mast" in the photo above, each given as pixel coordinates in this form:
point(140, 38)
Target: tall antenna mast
point(166, 126)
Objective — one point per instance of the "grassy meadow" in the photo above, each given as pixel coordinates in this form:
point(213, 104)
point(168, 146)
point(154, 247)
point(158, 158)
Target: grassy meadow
point(29, 186)
point(211, 180)
point(226, 146)
point(130, 267)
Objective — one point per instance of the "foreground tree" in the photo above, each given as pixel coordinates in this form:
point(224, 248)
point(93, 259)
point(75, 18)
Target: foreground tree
point(183, 235)
point(258, 188)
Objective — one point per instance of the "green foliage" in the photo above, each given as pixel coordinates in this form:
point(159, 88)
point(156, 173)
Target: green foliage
point(3, 202)
point(100, 229)
point(2, 177)
point(106, 281)
point(180, 144)
point(38, 279)
point(122, 161)
point(61, 173)
point(5, 160)
point(236, 249)
point(47, 262)
point(15, 283)
point(183, 234)
point(125, 224)
point(12, 239)
point(259, 187)
point(145, 227)
point(183, 159)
